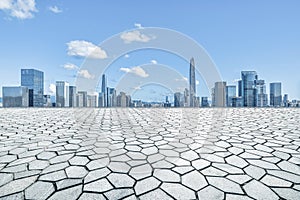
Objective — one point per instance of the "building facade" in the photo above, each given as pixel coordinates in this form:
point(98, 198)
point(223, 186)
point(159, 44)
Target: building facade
point(275, 94)
point(192, 83)
point(34, 80)
point(15, 96)
point(248, 88)
point(230, 93)
point(62, 94)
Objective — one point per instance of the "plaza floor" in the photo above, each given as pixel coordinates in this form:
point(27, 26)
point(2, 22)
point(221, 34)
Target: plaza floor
point(150, 153)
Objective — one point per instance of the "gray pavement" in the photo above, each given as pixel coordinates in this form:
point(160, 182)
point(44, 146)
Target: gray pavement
point(149, 153)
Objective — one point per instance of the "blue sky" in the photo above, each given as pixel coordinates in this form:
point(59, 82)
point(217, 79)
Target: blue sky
point(238, 35)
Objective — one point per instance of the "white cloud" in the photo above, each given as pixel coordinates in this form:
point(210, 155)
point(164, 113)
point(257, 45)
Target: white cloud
point(137, 88)
point(138, 25)
point(136, 70)
point(126, 56)
point(22, 9)
point(83, 48)
point(153, 62)
point(85, 74)
point(55, 9)
point(197, 82)
point(70, 66)
point(52, 89)
point(135, 36)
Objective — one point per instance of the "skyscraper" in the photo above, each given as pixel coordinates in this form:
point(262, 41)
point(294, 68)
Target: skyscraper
point(15, 96)
point(275, 94)
point(72, 96)
point(34, 80)
point(192, 83)
point(62, 94)
point(248, 88)
point(82, 99)
point(230, 93)
point(220, 94)
point(104, 91)
point(261, 96)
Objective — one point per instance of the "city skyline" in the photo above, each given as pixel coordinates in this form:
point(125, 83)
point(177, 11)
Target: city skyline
point(51, 44)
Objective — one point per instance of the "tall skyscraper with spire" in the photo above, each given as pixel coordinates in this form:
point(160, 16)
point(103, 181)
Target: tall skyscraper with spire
point(192, 83)
point(104, 91)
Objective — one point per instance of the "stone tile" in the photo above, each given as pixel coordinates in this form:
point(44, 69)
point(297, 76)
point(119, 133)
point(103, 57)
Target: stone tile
point(140, 172)
point(76, 172)
point(96, 174)
point(178, 191)
point(71, 194)
point(225, 185)
point(156, 194)
point(209, 193)
point(146, 185)
point(287, 193)
point(166, 175)
point(16, 185)
point(274, 181)
point(101, 185)
point(39, 190)
point(91, 196)
point(257, 190)
point(118, 193)
point(120, 180)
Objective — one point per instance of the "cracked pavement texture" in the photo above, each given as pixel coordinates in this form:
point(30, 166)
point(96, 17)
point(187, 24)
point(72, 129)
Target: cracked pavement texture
point(129, 153)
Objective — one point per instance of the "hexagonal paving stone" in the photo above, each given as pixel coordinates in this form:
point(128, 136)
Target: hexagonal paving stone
point(166, 175)
point(140, 172)
point(120, 180)
point(76, 172)
point(178, 191)
point(209, 193)
point(71, 193)
point(101, 185)
point(79, 160)
point(156, 194)
point(146, 185)
point(225, 185)
point(39, 190)
point(194, 180)
point(257, 190)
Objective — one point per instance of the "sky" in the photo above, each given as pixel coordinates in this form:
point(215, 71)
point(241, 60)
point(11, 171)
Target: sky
point(56, 36)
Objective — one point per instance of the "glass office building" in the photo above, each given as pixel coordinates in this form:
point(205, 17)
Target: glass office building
point(34, 80)
point(230, 93)
point(248, 88)
point(62, 94)
point(261, 96)
point(15, 96)
point(275, 94)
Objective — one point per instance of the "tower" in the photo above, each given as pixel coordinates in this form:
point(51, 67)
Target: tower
point(192, 83)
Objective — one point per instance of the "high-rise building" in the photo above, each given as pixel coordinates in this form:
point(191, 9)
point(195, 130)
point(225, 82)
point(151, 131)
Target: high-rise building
point(275, 94)
point(34, 80)
point(192, 83)
point(111, 97)
point(261, 96)
point(219, 94)
point(204, 102)
point(104, 91)
point(186, 98)
point(237, 102)
point(230, 93)
point(248, 88)
point(62, 94)
point(72, 96)
point(92, 101)
point(82, 99)
point(286, 100)
point(15, 96)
